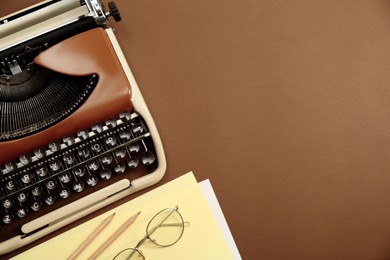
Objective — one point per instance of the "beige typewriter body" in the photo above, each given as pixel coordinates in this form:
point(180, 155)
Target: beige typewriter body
point(48, 16)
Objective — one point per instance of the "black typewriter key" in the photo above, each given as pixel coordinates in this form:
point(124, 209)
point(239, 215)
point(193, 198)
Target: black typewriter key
point(54, 146)
point(7, 203)
point(41, 170)
point(134, 147)
point(83, 134)
point(83, 152)
point(68, 140)
point(25, 159)
point(107, 159)
point(79, 171)
point(125, 135)
point(36, 205)
point(120, 168)
point(22, 196)
point(110, 123)
point(69, 158)
point(40, 153)
point(21, 212)
point(8, 218)
point(125, 116)
point(138, 129)
point(105, 174)
point(51, 184)
point(96, 147)
point(64, 193)
point(78, 186)
point(120, 153)
point(50, 199)
point(132, 163)
point(37, 190)
point(26, 177)
point(10, 184)
point(93, 165)
point(92, 180)
point(97, 128)
point(148, 158)
point(65, 177)
point(55, 165)
point(11, 166)
point(111, 140)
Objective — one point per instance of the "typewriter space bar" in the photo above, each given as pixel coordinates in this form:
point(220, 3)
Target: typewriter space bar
point(73, 207)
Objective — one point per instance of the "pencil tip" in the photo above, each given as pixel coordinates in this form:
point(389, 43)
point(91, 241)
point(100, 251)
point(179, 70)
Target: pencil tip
point(139, 212)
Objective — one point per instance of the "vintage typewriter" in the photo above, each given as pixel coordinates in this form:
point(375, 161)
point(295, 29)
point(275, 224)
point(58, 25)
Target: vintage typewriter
point(75, 132)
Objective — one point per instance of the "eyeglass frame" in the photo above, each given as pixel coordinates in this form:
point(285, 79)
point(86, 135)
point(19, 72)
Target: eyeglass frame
point(148, 234)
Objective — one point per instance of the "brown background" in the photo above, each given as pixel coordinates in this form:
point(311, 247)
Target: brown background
point(283, 105)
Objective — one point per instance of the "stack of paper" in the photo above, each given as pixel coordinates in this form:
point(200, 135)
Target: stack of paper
point(207, 236)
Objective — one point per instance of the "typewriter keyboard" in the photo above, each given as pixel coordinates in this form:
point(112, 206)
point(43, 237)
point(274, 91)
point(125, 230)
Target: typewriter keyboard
point(68, 169)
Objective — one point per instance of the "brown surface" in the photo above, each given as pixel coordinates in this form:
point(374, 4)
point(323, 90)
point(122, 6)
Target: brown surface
point(284, 105)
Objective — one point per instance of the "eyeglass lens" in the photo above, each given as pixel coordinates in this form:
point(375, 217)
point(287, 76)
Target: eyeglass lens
point(164, 229)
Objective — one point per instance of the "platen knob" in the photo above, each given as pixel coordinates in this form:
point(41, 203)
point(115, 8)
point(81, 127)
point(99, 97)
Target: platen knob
point(114, 12)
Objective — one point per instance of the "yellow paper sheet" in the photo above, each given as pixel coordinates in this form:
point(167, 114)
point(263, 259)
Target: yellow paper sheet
point(201, 240)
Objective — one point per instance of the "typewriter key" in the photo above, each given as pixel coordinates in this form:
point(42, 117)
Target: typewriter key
point(25, 159)
point(78, 186)
point(64, 193)
point(51, 184)
point(54, 146)
point(120, 153)
point(26, 177)
point(134, 147)
point(36, 205)
point(50, 199)
point(8, 203)
point(40, 153)
point(92, 180)
point(21, 212)
point(79, 171)
point(110, 140)
point(41, 170)
point(69, 158)
point(8, 218)
point(55, 165)
point(125, 135)
point(37, 190)
point(105, 174)
point(65, 177)
point(107, 159)
point(10, 184)
point(148, 158)
point(125, 116)
point(93, 165)
point(119, 168)
point(22, 196)
point(111, 123)
point(97, 128)
point(83, 152)
point(138, 129)
point(133, 163)
point(83, 134)
point(11, 166)
point(68, 140)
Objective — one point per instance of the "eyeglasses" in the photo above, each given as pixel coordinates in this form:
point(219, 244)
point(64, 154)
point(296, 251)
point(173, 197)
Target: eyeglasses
point(165, 229)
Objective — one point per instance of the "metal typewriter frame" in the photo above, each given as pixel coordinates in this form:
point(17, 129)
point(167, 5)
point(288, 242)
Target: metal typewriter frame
point(138, 104)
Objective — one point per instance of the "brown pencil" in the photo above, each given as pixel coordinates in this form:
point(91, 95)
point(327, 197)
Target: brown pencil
point(114, 236)
point(91, 237)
